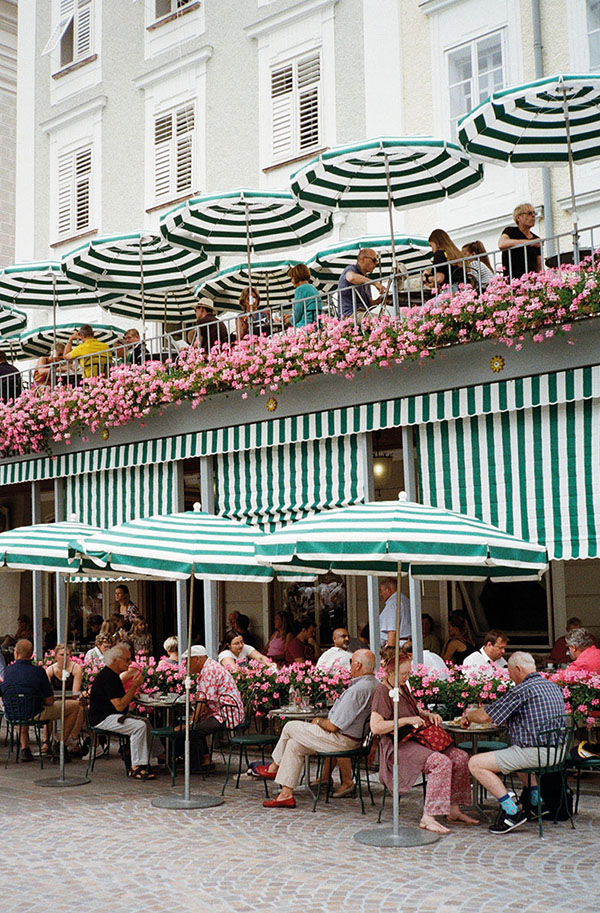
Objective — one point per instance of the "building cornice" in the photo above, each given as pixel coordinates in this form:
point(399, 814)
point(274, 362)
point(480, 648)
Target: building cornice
point(286, 17)
point(67, 117)
point(581, 199)
point(165, 70)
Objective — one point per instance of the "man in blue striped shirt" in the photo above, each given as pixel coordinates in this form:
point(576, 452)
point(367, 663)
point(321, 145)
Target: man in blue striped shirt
point(533, 706)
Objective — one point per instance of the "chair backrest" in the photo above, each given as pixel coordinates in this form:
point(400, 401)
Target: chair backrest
point(22, 708)
point(230, 713)
point(553, 743)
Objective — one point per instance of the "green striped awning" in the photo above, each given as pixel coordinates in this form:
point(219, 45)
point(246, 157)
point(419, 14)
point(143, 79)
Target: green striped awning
point(274, 486)
point(41, 340)
point(115, 496)
point(381, 536)
point(270, 279)
point(557, 387)
point(525, 125)
point(422, 170)
point(117, 264)
point(42, 283)
point(243, 221)
point(535, 473)
point(328, 264)
point(179, 545)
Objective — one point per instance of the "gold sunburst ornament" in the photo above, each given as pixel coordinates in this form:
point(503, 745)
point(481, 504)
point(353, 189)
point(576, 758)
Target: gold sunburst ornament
point(105, 434)
point(271, 404)
point(497, 364)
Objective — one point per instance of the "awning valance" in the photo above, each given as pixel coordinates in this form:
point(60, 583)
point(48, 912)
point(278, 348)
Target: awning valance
point(109, 498)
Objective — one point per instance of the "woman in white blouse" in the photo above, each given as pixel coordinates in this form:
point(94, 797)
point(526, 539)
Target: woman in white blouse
point(234, 650)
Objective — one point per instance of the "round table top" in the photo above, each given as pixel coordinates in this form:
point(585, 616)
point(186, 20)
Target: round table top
point(294, 713)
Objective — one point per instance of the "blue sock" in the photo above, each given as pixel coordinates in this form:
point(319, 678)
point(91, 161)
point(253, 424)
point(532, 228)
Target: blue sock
point(508, 804)
point(534, 795)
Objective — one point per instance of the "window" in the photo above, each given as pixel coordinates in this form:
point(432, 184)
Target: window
point(73, 33)
point(74, 191)
point(167, 7)
point(174, 152)
point(296, 107)
point(593, 31)
point(475, 70)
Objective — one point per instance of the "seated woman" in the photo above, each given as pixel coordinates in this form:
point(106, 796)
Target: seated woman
point(280, 638)
point(171, 660)
point(73, 684)
point(256, 320)
point(50, 367)
point(234, 650)
point(459, 644)
point(102, 643)
point(140, 637)
point(448, 782)
point(445, 250)
point(480, 272)
point(307, 300)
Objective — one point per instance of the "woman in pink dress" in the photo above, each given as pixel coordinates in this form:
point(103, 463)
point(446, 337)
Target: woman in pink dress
point(447, 772)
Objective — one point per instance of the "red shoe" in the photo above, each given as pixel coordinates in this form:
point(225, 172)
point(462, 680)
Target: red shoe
point(280, 803)
point(262, 770)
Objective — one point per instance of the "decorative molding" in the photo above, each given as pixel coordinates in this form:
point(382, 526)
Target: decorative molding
point(73, 114)
point(71, 238)
point(74, 66)
point(286, 17)
point(173, 67)
point(174, 202)
point(587, 198)
point(434, 6)
point(298, 158)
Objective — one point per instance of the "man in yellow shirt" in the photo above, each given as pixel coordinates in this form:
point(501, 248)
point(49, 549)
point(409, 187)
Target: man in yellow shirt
point(88, 345)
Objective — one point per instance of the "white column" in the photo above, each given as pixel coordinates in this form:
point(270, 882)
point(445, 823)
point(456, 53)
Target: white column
point(36, 517)
point(211, 604)
point(365, 455)
point(410, 486)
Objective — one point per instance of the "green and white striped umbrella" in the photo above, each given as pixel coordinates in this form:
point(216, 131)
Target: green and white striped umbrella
point(553, 121)
point(328, 264)
point(379, 537)
point(45, 547)
point(385, 173)
point(270, 279)
point(11, 346)
point(175, 306)
point(178, 546)
point(243, 221)
point(40, 340)
point(42, 283)
point(11, 321)
point(527, 125)
point(139, 265)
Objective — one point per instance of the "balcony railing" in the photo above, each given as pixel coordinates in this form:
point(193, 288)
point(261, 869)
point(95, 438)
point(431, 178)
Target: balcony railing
point(392, 295)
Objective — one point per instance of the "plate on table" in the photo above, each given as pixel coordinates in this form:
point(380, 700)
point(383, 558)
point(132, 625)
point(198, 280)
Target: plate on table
point(472, 726)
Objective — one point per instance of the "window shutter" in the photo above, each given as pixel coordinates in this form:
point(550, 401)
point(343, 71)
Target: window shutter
point(162, 8)
point(83, 173)
point(83, 46)
point(163, 134)
point(282, 97)
point(67, 9)
point(65, 183)
point(309, 78)
point(184, 149)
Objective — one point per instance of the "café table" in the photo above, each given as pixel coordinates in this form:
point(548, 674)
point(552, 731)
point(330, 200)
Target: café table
point(167, 707)
point(476, 733)
point(300, 713)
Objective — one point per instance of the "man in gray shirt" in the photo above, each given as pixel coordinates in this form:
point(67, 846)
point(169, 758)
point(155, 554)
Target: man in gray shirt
point(342, 730)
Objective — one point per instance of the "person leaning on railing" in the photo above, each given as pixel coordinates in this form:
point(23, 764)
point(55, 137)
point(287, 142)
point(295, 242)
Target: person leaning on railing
point(352, 282)
point(519, 257)
point(306, 296)
point(207, 330)
point(98, 353)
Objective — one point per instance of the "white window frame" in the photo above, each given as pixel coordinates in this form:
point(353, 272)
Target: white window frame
point(175, 7)
point(288, 106)
point(589, 32)
point(472, 44)
point(77, 16)
point(169, 156)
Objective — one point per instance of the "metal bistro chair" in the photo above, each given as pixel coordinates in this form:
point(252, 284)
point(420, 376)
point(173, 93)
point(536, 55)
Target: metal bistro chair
point(582, 765)
point(422, 784)
point(239, 737)
point(170, 734)
point(21, 710)
point(356, 756)
point(95, 732)
point(552, 747)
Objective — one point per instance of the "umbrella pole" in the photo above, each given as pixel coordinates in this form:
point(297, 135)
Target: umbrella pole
point(574, 215)
point(62, 780)
point(397, 836)
point(142, 291)
point(390, 201)
point(248, 245)
point(187, 801)
point(54, 311)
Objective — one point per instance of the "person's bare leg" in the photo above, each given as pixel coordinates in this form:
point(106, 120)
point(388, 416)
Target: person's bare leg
point(455, 814)
point(345, 765)
point(485, 770)
point(24, 736)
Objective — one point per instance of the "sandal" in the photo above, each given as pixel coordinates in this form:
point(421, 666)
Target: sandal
point(141, 773)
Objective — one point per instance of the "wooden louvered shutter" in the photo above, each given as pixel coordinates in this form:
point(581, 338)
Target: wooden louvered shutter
point(282, 102)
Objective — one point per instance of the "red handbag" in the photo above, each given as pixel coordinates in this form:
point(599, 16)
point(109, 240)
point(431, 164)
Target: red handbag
point(430, 736)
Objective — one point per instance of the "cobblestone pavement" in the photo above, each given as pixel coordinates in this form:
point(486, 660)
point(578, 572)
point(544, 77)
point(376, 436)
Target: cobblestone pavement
point(103, 847)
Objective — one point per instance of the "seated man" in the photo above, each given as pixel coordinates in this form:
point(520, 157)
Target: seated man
point(342, 730)
point(303, 647)
point(108, 707)
point(338, 655)
point(532, 706)
point(491, 655)
point(559, 653)
point(22, 677)
point(216, 687)
point(585, 655)
point(135, 351)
